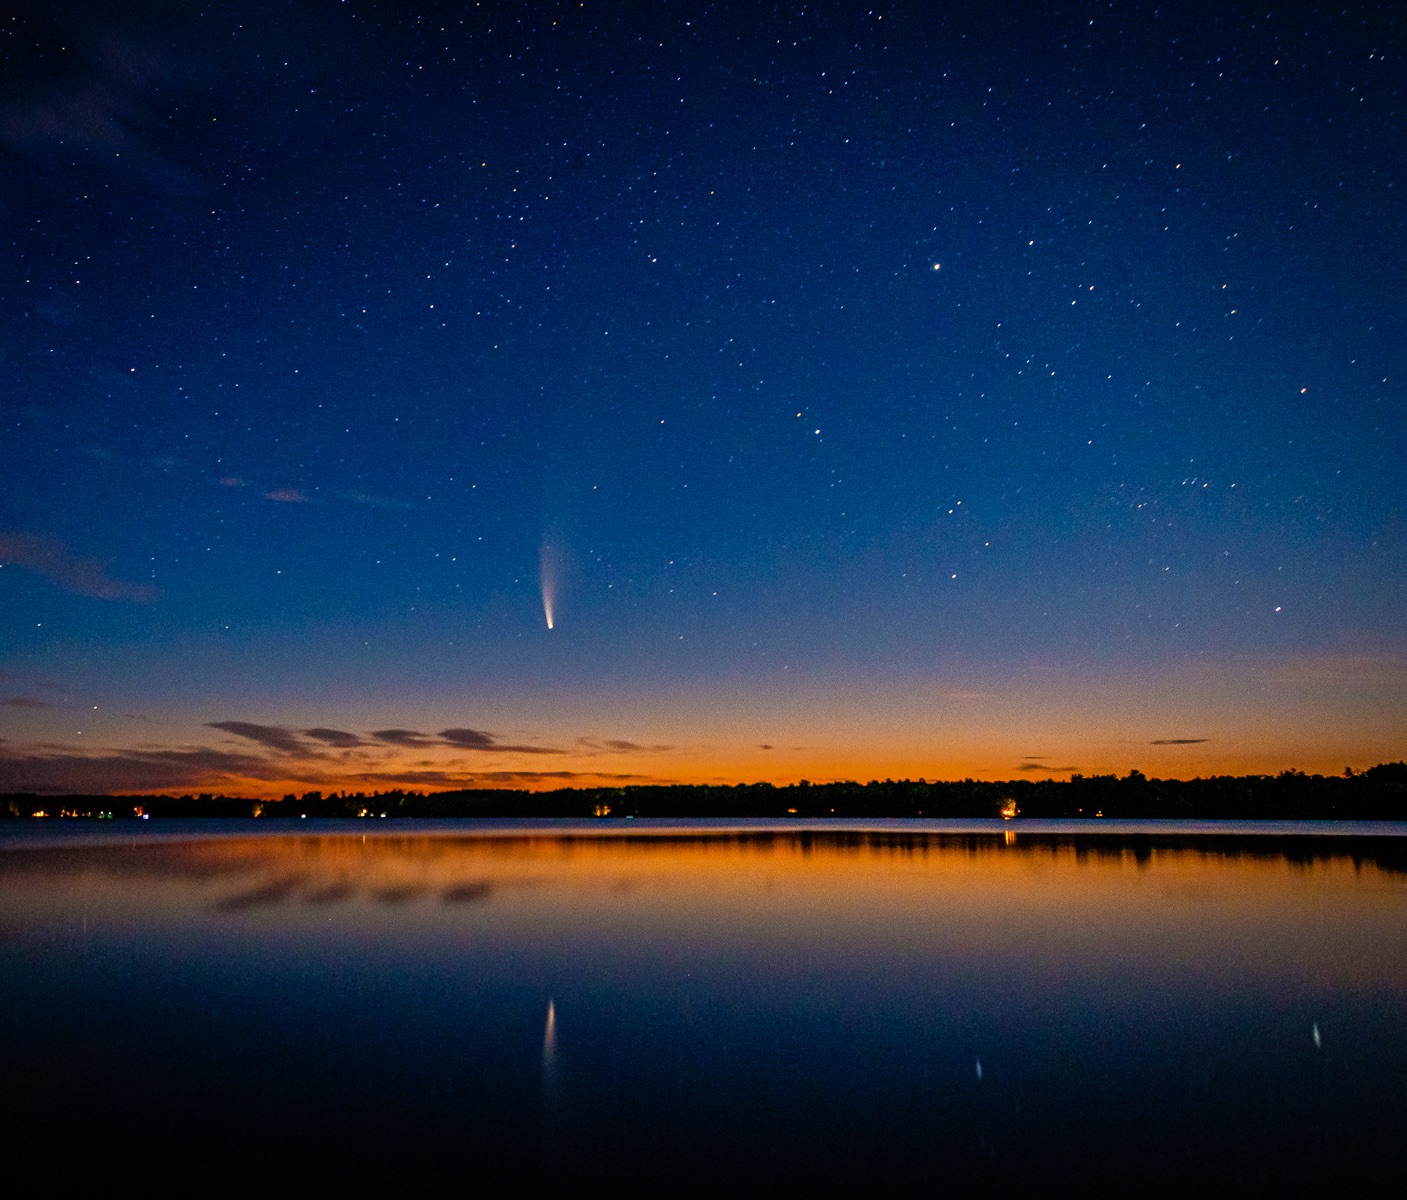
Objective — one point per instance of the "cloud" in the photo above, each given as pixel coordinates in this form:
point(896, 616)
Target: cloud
point(103, 113)
point(335, 737)
point(1178, 741)
point(619, 746)
point(275, 737)
point(374, 501)
point(288, 741)
point(25, 702)
point(469, 739)
point(470, 779)
point(287, 496)
point(477, 739)
point(99, 117)
point(419, 778)
point(1039, 766)
point(59, 770)
point(277, 756)
point(534, 776)
point(110, 96)
point(404, 737)
point(231, 481)
point(53, 560)
point(457, 739)
point(517, 749)
point(190, 769)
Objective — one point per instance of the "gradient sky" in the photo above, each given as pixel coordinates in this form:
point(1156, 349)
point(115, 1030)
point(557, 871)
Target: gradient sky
point(931, 390)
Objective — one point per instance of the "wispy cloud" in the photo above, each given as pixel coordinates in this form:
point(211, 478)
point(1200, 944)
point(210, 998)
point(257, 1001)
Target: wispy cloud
point(106, 102)
point(621, 746)
point(100, 117)
point(369, 501)
point(470, 779)
point(469, 739)
point(290, 741)
point(50, 770)
point(25, 702)
point(52, 559)
point(272, 757)
point(1178, 741)
point(287, 496)
point(405, 737)
point(335, 737)
point(477, 739)
point(545, 776)
point(275, 737)
point(1038, 766)
point(57, 772)
point(456, 739)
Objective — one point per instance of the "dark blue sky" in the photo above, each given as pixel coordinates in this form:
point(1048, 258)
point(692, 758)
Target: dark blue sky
point(918, 390)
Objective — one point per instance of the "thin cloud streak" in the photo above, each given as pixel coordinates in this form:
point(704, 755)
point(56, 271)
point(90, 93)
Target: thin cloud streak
point(410, 738)
point(471, 779)
point(289, 741)
point(275, 737)
point(56, 773)
point(621, 746)
point(336, 737)
point(54, 561)
point(477, 739)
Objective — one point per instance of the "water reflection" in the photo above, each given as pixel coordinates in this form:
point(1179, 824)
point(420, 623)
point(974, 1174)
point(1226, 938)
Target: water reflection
point(549, 1058)
point(329, 893)
point(466, 893)
point(262, 895)
point(751, 1010)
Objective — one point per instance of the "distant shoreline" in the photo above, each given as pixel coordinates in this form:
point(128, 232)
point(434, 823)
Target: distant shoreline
point(1377, 794)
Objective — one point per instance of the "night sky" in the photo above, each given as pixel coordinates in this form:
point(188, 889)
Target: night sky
point(992, 390)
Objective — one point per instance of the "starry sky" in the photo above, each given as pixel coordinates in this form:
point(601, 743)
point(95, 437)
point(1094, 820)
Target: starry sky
point(992, 390)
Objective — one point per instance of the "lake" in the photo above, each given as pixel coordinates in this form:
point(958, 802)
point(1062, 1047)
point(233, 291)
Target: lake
point(700, 1008)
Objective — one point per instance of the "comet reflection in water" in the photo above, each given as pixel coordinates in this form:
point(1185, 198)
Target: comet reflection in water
point(550, 1083)
point(751, 1011)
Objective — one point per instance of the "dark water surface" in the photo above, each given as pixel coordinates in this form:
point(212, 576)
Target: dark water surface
point(631, 1008)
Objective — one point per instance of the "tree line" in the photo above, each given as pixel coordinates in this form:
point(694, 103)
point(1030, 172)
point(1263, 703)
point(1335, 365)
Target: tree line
point(1379, 793)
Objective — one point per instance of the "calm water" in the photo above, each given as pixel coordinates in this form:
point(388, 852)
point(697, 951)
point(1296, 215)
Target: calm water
point(703, 1010)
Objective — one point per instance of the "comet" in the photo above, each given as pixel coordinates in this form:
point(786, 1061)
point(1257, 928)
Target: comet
point(549, 573)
